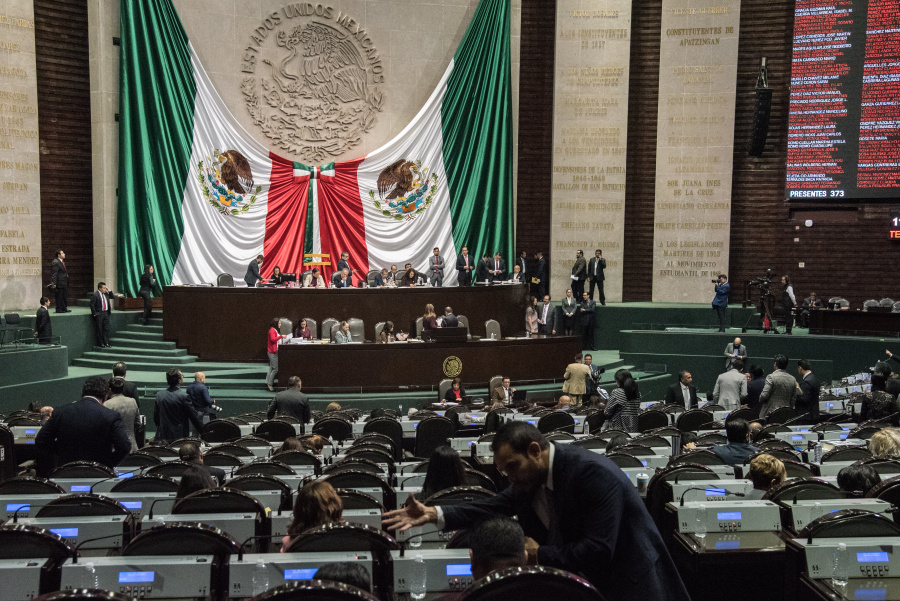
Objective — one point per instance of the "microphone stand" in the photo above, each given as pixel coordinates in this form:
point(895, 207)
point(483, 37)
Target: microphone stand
point(730, 492)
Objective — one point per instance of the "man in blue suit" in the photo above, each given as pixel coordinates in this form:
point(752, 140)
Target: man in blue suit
point(579, 511)
point(86, 430)
point(720, 302)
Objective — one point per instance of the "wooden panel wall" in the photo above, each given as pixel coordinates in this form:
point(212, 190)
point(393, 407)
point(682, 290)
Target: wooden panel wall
point(640, 162)
point(536, 68)
point(64, 109)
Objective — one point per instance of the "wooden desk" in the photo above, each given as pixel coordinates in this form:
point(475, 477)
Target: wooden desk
point(854, 323)
point(230, 324)
point(329, 366)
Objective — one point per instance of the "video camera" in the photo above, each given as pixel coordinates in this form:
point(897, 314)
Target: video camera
point(763, 283)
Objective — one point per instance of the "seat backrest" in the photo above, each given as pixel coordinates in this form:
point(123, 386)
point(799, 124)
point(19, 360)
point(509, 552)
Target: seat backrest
point(652, 441)
point(334, 330)
point(354, 464)
point(370, 277)
point(693, 420)
point(532, 583)
point(590, 442)
point(221, 459)
point(139, 459)
point(220, 430)
point(356, 499)
point(182, 538)
point(81, 505)
point(478, 479)
point(870, 304)
point(275, 430)
point(18, 541)
point(265, 467)
point(219, 500)
point(652, 419)
point(21, 420)
point(701, 457)
point(333, 427)
point(420, 324)
point(745, 413)
point(25, 485)
point(886, 302)
point(443, 387)
point(494, 382)
point(83, 469)
point(459, 495)
point(225, 280)
point(238, 450)
point(174, 469)
point(379, 455)
point(287, 326)
point(160, 451)
point(895, 308)
point(327, 325)
point(253, 482)
point(558, 435)
point(312, 324)
point(624, 460)
point(356, 478)
point(464, 323)
point(846, 454)
point(146, 483)
point(848, 523)
point(556, 420)
point(803, 489)
point(341, 536)
point(357, 329)
point(712, 438)
point(492, 329)
point(298, 458)
point(431, 433)
point(316, 590)
point(379, 327)
point(796, 469)
point(781, 415)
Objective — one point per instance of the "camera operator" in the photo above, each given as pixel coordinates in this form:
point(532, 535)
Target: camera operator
point(720, 302)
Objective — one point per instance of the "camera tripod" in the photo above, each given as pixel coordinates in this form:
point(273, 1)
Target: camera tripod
point(765, 313)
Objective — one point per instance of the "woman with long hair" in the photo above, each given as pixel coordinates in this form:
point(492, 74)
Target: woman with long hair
point(569, 306)
point(409, 279)
point(387, 333)
point(531, 318)
point(788, 302)
point(879, 403)
point(429, 320)
point(317, 504)
point(148, 283)
point(291, 443)
point(277, 276)
point(445, 470)
point(624, 403)
point(193, 479)
point(275, 337)
point(303, 331)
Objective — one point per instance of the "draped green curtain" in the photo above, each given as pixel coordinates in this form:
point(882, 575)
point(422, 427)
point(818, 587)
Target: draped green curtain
point(476, 119)
point(156, 114)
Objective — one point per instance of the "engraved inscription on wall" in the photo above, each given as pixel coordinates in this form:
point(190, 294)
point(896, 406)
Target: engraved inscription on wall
point(697, 78)
point(20, 204)
point(312, 80)
point(590, 127)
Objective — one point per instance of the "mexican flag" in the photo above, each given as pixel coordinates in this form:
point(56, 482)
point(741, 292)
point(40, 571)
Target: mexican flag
point(199, 196)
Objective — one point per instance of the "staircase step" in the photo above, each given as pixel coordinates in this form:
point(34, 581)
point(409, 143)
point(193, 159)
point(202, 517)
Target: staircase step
point(132, 343)
point(143, 352)
point(108, 354)
point(156, 321)
point(134, 363)
point(151, 336)
point(137, 327)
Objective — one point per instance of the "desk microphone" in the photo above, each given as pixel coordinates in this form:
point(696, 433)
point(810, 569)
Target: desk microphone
point(240, 556)
point(16, 512)
point(793, 419)
point(91, 489)
point(703, 488)
point(155, 501)
point(869, 422)
point(405, 543)
point(90, 540)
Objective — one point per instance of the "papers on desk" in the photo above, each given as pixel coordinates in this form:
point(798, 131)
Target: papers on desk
point(286, 340)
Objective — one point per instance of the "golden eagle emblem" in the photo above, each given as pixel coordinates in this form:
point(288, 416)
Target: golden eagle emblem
point(405, 190)
point(226, 182)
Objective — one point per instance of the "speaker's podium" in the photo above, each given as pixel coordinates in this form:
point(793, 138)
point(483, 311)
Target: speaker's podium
point(454, 335)
point(740, 556)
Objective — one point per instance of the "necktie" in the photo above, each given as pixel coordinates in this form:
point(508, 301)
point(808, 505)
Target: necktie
point(497, 265)
point(466, 259)
point(544, 316)
point(103, 301)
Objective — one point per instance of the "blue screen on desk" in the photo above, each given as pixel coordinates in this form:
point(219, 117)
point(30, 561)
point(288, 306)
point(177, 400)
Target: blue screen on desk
point(728, 515)
point(712, 492)
point(132, 577)
point(530, 421)
point(873, 557)
point(724, 545)
point(644, 463)
point(17, 507)
point(301, 574)
point(30, 432)
point(80, 488)
point(459, 569)
point(124, 475)
point(65, 532)
point(132, 504)
point(796, 438)
point(844, 436)
point(875, 594)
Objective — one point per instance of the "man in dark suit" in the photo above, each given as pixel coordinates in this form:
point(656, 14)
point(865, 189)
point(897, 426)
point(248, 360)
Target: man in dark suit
point(586, 318)
point(43, 329)
point(252, 276)
point(498, 268)
point(173, 413)
point(542, 274)
point(483, 269)
point(579, 274)
point(86, 430)
point(198, 395)
point(808, 401)
point(449, 320)
point(59, 281)
point(464, 267)
point(344, 262)
point(755, 387)
point(810, 303)
point(737, 431)
point(578, 509)
point(290, 402)
point(683, 392)
point(101, 307)
point(548, 317)
point(595, 275)
point(119, 370)
point(342, 279)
